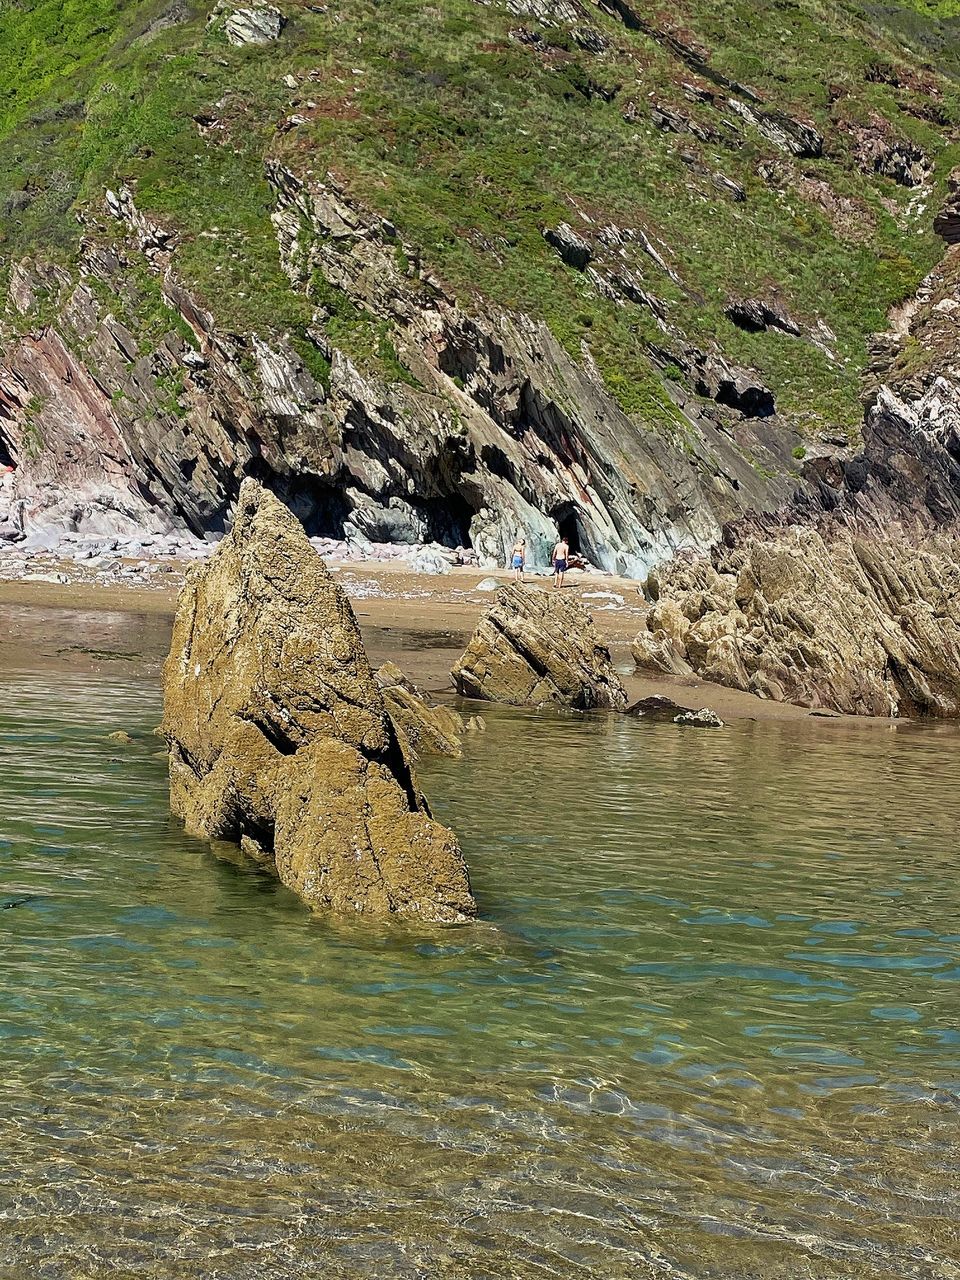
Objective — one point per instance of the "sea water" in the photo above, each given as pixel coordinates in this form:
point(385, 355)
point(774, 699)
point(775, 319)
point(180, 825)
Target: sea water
point(708, 1025)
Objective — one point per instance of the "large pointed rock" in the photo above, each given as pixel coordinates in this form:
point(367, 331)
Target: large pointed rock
point(279, 738)
point(533, 647)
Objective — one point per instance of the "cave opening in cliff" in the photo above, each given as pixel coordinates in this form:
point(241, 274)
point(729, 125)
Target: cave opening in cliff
point(569, 527)
point(320, 507)
point(447, 520)
point(6, 456)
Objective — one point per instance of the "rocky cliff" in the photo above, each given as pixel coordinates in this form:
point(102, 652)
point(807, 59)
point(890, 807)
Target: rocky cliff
point(459, 272)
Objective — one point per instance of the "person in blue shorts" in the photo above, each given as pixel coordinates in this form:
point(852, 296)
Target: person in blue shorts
point(518, 559)
point(561, 553)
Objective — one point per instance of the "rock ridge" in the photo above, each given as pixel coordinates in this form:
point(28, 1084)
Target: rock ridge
point(832, 616)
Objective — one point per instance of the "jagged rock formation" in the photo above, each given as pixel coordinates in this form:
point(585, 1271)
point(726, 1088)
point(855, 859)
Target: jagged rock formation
point(422, 726)
point(279, 739)
point(756, 315)
point(258, 24)
point(534, 647)
point(908, 468)
point(861, 623)
point(505, 432)
point(257, 272)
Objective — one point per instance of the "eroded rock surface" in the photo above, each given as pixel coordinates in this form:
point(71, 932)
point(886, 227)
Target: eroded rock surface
point(422, 726)
point(497, 430)
point(253, 24)
point(867, 624)
point(279, 738)
point(533, 647)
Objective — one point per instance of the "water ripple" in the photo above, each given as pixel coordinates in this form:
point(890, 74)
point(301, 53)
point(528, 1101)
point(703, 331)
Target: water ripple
point(707, 1028)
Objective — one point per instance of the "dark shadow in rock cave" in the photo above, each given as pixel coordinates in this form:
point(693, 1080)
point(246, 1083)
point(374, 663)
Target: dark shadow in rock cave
point(7, 458)
point(569, 526)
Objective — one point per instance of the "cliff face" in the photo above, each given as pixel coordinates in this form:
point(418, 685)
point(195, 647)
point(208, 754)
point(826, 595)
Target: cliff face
point(858, 623)
point(495, 428)
point(532, 267)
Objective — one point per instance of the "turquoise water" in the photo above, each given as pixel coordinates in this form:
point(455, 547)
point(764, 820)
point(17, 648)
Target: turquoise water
point(708, 1027)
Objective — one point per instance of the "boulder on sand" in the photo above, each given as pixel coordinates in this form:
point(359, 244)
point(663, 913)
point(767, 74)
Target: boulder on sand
point(422, 727)
point(278, 734)
point(533, 647)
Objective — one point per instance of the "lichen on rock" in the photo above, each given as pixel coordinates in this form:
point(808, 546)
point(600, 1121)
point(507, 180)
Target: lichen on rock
point(279, 738)
point(534, 647)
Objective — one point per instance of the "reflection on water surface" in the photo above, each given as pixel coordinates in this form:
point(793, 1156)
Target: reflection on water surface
point(709, 1027)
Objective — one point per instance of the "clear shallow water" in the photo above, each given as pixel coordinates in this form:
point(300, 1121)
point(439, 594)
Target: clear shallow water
point(710, 1026)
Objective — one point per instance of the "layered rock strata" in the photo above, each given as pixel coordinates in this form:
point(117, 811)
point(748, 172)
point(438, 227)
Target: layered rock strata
point(422, 726)
point(495, 430)
point(279, 739)
point(832, 617)
point(534, 647)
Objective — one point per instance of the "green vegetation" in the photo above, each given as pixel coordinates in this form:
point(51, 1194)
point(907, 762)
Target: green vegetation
point(471, 141)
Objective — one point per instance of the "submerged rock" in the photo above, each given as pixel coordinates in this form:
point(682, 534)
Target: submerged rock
point(830, 617)
point(702, 719)
point(663, 710)
point(278, 734)
point(537, 646)
point(422, 726)
point(656, 708)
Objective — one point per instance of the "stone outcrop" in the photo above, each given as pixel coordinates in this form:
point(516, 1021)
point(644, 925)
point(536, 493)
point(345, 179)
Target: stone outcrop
point(497, 430)
point(422, 727)
point(534, 647)
point(251, 24)
point(896, 158)
point(756, 315)
point(947, 222)
point(278, 735)
point(573, 249)
point(864, 623)
point(907, 471)
point(793, 136)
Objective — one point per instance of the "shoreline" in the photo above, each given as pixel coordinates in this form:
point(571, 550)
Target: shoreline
point(420, 621)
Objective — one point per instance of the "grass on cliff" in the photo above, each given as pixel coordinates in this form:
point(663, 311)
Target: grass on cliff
point(471, 141)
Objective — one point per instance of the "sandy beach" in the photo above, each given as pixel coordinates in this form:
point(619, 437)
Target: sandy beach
point(421, 621)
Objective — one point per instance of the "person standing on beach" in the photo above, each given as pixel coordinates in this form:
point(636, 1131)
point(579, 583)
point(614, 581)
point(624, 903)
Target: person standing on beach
point(561, 553)
point(518, 559)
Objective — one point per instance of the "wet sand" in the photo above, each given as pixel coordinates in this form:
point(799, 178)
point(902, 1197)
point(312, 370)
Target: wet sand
point(421, 622)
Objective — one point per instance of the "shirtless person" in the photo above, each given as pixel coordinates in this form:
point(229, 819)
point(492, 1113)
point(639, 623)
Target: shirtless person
point(561, 553)
point(518, 559)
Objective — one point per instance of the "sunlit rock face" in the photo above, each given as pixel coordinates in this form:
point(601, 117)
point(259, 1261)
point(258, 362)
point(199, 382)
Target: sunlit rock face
point(862, 622)
point(535, 647)
point(279, 738)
